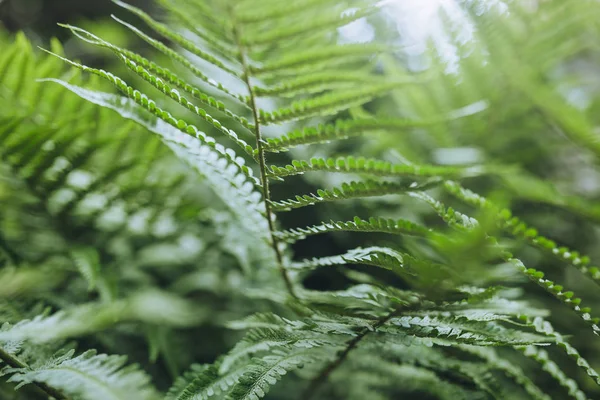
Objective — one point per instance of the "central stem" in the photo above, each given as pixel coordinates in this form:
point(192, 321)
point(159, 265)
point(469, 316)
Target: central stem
point(261, 154)
point(326, 372)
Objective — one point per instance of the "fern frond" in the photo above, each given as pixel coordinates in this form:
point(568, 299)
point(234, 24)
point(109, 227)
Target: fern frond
point(542, 326)
point(185, 62)
point(408, 267)
point(214, 41)
point(376, 256)
point(174, 94)
point(470, 314)
point(202, 382)
point(317, 82)
point(511, 370)
point(321, 22)
point(9, 363)
point(172, 36)
point(395, 227)
point(266, 321)
point(143, 100)
point(88, 263)
point(209, 17)
point(89, 376)
point(16, 282)
point(373, 385)
point(363, 165)
point(149, 307)
point(541, 356)
point(312, 58)
point(261, 340)
point(208, 157)
point(355, 309)
point(262, 373)
point(493, 306)
point(444, 365)
point(329, 103)
point(460, 331)
point(566, 297)
point(400, 363)
point(340, 129)
point(351, 190)
point(249, 12)
point(162, 73)
point(416, 329)
point(318, 323)
point(521, 230)
point(465, 223)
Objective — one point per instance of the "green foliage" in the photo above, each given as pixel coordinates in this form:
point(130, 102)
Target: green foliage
point(89, 375)
point(142, 200)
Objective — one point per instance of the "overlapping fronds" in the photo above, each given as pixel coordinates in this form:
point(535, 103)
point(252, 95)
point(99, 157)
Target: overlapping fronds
point(328, 334)
point(417, 303)
point(149, 307)
point(202, 382)
point(67, 164)
point(232, 179)
point(88, 375)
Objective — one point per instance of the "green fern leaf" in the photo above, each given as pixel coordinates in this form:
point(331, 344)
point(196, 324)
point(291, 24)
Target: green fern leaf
point(249, 12)
point(555, 371)
point(542, 326)
point(88, 264)
point(465, 223)
point(265, 372)
point(139, 64)
point(351, 190)
point(212, 39)
point(341, 129)
point(262, 340)
point(520, 230)
point(399, 227)
point(461, 331)
point(16, 282)
point(363, 165)
point(202, 382)
point(90, 376)
point(314, 57)
point(174, 37)
point(327, 21)
point(377, 256)
point(329, 103)
point(210, 158)
point(511, 370)
point(314, 83)
point(151, 307)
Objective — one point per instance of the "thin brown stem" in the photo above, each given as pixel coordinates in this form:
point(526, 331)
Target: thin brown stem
point(261, 154)
point(322, 377)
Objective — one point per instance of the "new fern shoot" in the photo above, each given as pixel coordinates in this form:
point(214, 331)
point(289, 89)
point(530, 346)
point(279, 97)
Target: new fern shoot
point(256, 204)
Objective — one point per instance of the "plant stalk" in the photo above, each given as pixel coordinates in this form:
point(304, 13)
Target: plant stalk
point(261, 155)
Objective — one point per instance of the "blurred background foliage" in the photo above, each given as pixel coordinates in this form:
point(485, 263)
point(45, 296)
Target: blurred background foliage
point(514, 129)
point(39, 19)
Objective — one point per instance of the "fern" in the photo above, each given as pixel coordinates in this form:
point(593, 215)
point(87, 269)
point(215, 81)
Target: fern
point(95, 376)
point(159, 203)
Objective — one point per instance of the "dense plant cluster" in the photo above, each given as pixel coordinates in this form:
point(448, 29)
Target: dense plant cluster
point(260, 205)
